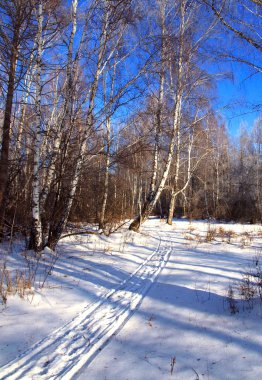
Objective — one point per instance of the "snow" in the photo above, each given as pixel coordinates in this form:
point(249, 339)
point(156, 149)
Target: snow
point(137, 306)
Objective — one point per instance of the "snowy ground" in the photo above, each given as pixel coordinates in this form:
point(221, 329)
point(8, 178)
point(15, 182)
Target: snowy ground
point(169, 324)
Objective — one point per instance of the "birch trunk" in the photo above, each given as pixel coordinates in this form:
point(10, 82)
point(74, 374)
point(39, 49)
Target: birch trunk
point(150, 204)
point(106, 179)
point(27, 86)
point(157, 141)
point(67, 113)
point(36, 232)
point(174, 190)
point(159, 113)
point(190, 170)
point(108, 101)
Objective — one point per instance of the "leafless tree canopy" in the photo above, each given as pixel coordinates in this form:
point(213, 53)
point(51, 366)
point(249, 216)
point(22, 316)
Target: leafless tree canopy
point(108, 113)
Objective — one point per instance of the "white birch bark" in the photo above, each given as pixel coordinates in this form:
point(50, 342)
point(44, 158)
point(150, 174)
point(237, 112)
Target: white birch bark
point(175, 191)
point(67, 114)
point(158, 127)
point(106, 179)
point(177, 171)
point(108, 105)
point(27, 86)
point(36, 237)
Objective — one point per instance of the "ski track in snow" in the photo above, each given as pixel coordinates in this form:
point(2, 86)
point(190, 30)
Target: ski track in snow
point(65, 351)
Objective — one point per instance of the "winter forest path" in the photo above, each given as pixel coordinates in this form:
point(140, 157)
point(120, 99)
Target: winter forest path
point(65, 351)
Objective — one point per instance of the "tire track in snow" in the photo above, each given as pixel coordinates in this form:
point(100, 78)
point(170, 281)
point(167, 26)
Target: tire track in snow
point(65, 351)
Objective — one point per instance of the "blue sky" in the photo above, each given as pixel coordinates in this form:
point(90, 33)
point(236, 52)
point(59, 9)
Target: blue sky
point(240, 96)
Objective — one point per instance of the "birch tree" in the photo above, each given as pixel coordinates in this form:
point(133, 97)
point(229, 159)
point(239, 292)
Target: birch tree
point(36, 233)
point(186, 166)
point(113, 21)
point(241, 23)
point(179, 85)
point(176, 115)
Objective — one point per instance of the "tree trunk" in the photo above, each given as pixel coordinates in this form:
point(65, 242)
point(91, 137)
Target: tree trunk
point(106, 179)
point(171, 208)
point(36, 231)
point(172, 204)
point(24, 102)
point(4, 157)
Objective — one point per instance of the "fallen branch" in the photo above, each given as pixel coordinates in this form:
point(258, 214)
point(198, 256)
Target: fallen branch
point(86, 232)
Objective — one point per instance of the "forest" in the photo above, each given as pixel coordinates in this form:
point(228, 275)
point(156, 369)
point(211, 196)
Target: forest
point(109, 113)
point(130, 189)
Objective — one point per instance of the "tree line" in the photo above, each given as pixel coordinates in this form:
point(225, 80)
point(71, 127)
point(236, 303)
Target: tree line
point(107, 114)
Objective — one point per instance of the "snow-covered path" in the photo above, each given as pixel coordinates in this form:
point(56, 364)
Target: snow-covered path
point(182, 329)
point(61, 354)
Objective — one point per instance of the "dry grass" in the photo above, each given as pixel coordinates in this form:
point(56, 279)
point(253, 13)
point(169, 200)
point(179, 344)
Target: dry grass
point(226, 235)
point(191, 228)
point(189, 237)
point(220, 234)
point(197, 238)
point(246, 239)
point(211, 234)
point(249, 288)
point(259, 233)
point(14, 282)
point(232, 304)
